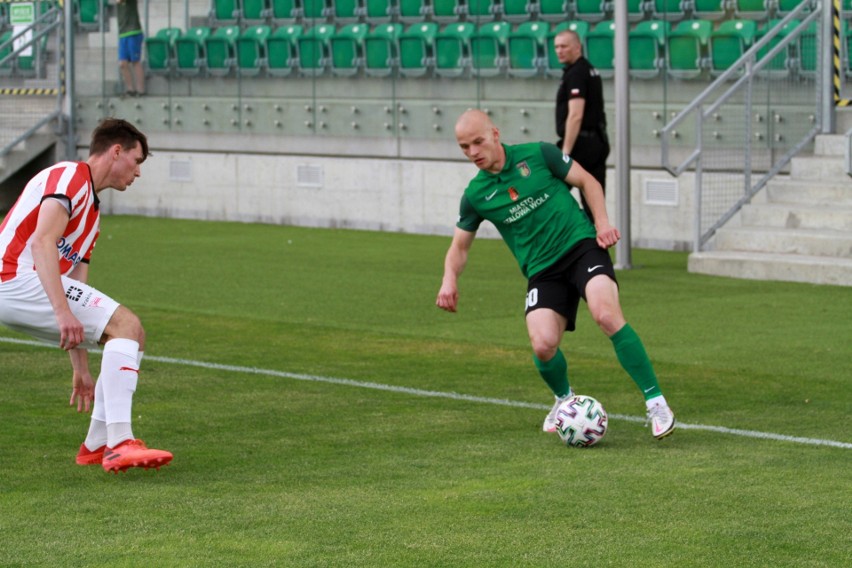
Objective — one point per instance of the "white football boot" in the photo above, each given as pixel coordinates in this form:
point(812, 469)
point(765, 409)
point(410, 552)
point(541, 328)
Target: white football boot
point(662, 420)
point(550, 421)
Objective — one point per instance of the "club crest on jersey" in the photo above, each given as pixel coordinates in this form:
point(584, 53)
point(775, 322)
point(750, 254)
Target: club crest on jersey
point(524, 169)
point(513, 193)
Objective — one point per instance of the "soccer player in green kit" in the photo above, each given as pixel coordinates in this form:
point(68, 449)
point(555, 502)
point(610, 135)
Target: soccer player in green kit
point(524, 190)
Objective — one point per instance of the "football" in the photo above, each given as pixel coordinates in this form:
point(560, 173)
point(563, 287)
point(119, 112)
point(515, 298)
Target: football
point(581, 421)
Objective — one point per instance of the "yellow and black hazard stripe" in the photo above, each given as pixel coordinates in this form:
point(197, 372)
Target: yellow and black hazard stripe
point(29, 92)
point(835, 42)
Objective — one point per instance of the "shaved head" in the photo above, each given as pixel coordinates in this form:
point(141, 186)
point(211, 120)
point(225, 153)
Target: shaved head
point(479, 139)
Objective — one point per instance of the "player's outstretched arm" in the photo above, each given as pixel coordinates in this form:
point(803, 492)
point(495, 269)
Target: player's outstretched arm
point(82, 384)
point(454, 263)
point(607, 235)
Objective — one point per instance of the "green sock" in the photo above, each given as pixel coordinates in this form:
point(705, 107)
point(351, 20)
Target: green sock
point(632, 356)
point(554, 373)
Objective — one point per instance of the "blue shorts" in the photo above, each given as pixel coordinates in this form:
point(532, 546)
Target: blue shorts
point(130, 48)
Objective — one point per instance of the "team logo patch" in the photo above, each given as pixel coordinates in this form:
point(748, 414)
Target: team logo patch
point(575, 91)
point(524, 169)
point(513, 193)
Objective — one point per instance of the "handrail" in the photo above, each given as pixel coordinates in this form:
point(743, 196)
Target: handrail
point(42, 31)
point(752, 64)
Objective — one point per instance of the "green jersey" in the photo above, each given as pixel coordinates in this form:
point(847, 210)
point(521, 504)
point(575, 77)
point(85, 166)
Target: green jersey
point(128, 19)
point(530, 204)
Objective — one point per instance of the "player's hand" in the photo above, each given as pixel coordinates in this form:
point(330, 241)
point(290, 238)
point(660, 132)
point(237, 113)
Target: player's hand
point(71, 332)
point(448, 298)
point(607, 235)
point(82, 391)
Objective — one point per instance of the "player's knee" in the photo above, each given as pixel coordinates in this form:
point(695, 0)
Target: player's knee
point(544, 347)
point(608, 319)
point(125, 325)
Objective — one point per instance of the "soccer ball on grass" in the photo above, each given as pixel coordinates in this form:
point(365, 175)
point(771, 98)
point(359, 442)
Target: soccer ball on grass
point(581, 421)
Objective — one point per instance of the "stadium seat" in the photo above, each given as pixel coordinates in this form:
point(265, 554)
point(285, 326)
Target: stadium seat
point(160, 49)
point(6, 67)
point(413, 11)
point(581, 28)
point(190, 51)
point(729, 42)
point(779, 67)
point(806, 49)
point(314, 46)
point(753, 9)
point(315, 12)
point(527, 46)
point(482, 11)
point(447, 11)
point(417, 49)
point(784, 7)
point(27, 64)
point(452, 49)
point(637, 10)
point(600, 50)
point(646, 48)
point(521, 10)
point(590, 10)
point(282, 50)
point(224, 12)
point(348, 11)
point(251, 49)
point(381, 49)
point(670, 9)
point(89, 13)
point(347, 49)
point(488, 49)
point(553, 10)
point(710, 9)
point(221, 50)
point(285, 11)
point(381, 11)
point(256, 11)
point(687, 48)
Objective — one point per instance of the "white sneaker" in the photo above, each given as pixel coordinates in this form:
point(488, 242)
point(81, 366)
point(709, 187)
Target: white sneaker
point(662, 420)
point(550, 421)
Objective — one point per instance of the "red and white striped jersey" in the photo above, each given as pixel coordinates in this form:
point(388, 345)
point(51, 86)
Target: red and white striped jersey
point(72, 180)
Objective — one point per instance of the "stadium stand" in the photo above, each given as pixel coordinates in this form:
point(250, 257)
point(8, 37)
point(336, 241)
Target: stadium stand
point(160, 49)
point(417, 49)
point(190, 51)
point(687, 48)
point(488, 49)
point(452, 49)
point(251, 50)
point(282, 50)
point(526, 49)
point(347, 49)
point(646, 48)
point(729, 42)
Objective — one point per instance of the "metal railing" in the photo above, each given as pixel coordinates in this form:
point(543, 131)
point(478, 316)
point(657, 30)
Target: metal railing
point(849, 152)
point(742, 88)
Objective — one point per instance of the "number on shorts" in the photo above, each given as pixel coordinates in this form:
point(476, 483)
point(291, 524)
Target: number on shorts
point(532, 298)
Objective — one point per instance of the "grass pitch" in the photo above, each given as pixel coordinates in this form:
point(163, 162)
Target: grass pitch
point(274, 471)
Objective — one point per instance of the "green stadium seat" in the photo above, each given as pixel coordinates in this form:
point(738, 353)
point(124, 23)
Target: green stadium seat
point(553, 10)
point(285, 11)
point(752, 9)
point(520, 10)
point(452, 49)
point(256, 11)
point(27, 65)
point(6, 64)
point(381, 11)
point(710, 9)
point(779, 67)
point(414, 11)
point(282, 50)
point(527, 46)
point(221, 50)
point(224, 12)
point(348, 11)
point(687, 48)
point(807, 50)
point(669, 9)
point(89, 13)
point(314, 46)
point(381, 49)
point(481, 11)
point(447, 11)
point(581, 28)
point(600, 48)
point(347, 49)
point(160, 50)
point(190, 50)
point(784, 7)
point(417, 49)
point(729, 42)
point(315, 12)
point(488, 49)
point(251, 49)
point(637, 9)
point(590, 10)
point(646, 47)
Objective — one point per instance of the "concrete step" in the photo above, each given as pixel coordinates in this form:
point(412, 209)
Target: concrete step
point(822, 168)
point(830, 193)
point(797, 216)
point(810, 242)
point(768, 266)
point(830, 145)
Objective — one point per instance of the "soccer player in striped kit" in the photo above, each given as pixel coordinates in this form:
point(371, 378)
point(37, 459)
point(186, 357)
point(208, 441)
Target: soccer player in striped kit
point(46, 242)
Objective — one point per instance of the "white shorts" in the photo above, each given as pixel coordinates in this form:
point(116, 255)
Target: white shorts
point(24, 307)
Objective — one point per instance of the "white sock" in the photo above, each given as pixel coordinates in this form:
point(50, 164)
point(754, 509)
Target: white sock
point(651, 402)
point(119, 375)
point(97, 435)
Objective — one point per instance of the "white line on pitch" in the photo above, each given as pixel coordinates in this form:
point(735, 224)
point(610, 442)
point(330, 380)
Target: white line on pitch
point(452, 395)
